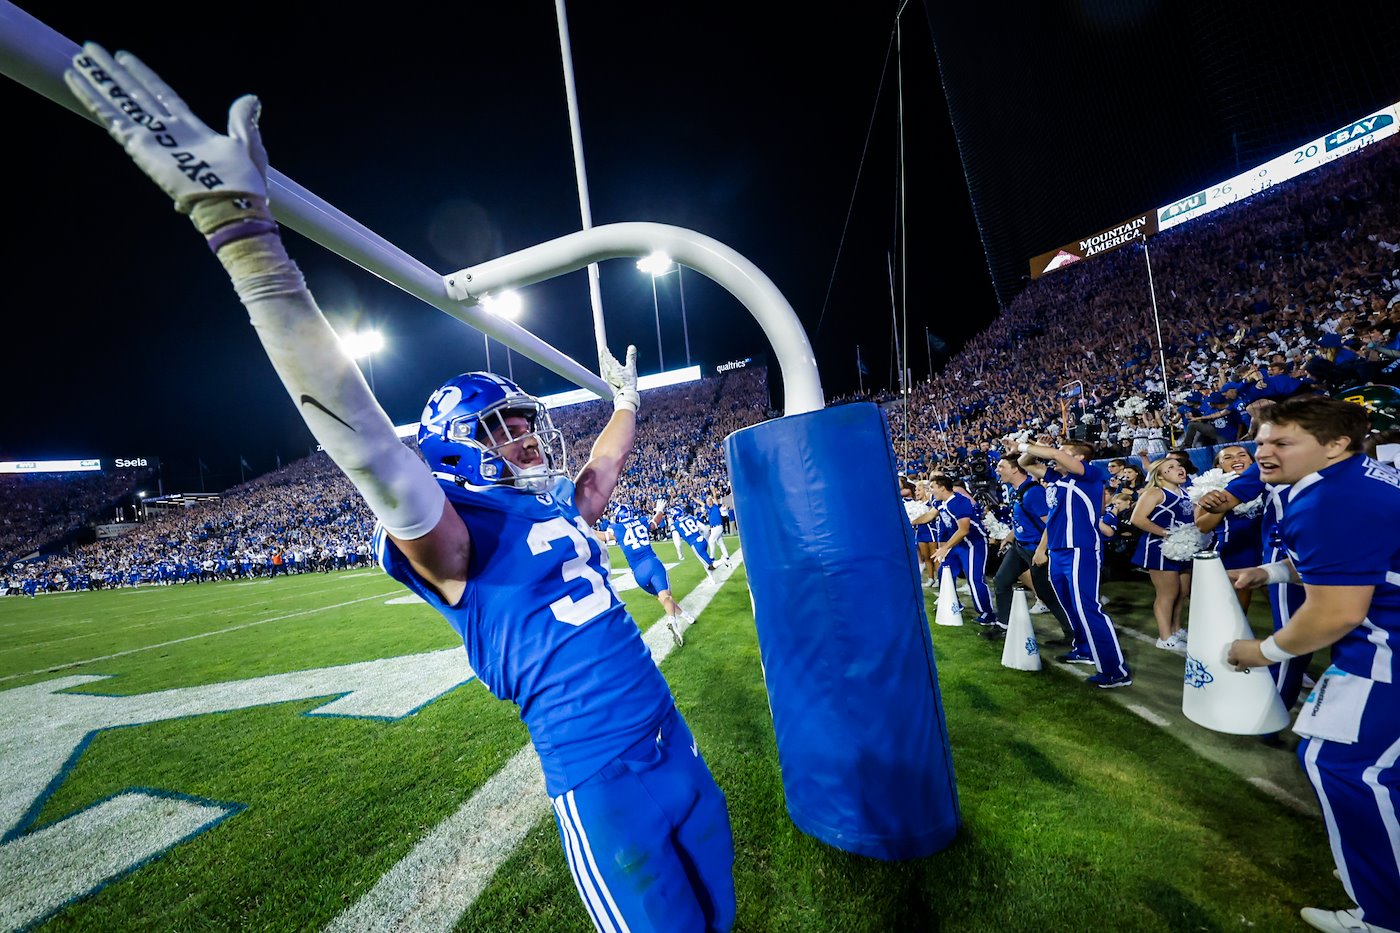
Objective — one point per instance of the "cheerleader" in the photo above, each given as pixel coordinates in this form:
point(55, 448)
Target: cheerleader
point(1238, 534)
point(1140, 439)
point(1161, 509)
point(916, 503)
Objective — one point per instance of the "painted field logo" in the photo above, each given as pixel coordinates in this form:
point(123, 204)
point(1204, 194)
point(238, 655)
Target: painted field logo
point(43, 733)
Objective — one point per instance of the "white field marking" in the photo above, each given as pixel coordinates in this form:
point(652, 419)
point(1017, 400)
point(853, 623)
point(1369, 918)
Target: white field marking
point(175, 641)
point(437, 882)
point(408, 599)
point(623, 580)
point(107, 628)
point(1150, 716)
point(1281, 795)
point(1134, 633)
point(45, 869)
point(263, 582)
point(43, 731)
point(41, 728)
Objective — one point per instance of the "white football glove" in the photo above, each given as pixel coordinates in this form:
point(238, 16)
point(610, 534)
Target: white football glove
point(623, 379)
point(170, 144)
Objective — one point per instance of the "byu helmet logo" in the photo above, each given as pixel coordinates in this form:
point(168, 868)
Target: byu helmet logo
point(444, 400)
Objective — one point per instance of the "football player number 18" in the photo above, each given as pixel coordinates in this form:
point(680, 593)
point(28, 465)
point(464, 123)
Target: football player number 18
point(567, 609)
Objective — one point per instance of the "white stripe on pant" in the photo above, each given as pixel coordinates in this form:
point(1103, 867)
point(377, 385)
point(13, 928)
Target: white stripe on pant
point(591, 886)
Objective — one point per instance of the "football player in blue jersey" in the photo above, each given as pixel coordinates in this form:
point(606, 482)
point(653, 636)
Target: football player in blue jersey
point(490, 531)
point(628, 530)
point(1341, 530)
point(693, 533)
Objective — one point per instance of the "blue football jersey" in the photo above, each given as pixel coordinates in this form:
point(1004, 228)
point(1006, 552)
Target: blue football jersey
point(1341, 527)
point(543, 628)
point(690, 529)
point(633, 538)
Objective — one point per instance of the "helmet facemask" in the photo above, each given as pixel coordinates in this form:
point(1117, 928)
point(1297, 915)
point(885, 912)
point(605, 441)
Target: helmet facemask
point(491, 424)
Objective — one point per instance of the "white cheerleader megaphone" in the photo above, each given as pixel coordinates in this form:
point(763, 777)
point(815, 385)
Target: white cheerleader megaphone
point(947, 598)
point(1020, 651)
point(1215, 695)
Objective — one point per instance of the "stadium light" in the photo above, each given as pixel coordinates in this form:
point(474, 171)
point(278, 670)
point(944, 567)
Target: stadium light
point(364, 344)
point(656, 265)
point(509, 305)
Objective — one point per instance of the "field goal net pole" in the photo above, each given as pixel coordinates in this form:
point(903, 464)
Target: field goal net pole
point(585, 209)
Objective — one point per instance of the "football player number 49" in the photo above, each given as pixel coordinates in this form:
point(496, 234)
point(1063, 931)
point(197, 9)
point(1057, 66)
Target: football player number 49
point(567, 609)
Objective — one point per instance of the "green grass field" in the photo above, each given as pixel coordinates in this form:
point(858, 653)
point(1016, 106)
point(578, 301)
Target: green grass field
point(217, 777)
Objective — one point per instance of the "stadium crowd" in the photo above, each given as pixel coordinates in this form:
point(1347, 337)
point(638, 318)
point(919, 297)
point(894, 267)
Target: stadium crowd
point(307, 517)
point(1290, 293)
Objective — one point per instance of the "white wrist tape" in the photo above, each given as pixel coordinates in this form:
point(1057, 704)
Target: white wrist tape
point(329, 391)
point(1271, 650)
point(627, 398)
point(1280, 571)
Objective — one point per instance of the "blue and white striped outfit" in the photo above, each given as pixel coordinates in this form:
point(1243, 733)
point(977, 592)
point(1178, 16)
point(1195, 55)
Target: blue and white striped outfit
point(971, 553)
point(1076, 560)
point(1357, 783)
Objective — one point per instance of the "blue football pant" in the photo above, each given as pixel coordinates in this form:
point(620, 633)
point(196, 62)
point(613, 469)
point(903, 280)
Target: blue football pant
point(651, 576)
point(648, 841)
point(702, 550)
point(1074, 576)
point(973, 558)
point(1358, 787)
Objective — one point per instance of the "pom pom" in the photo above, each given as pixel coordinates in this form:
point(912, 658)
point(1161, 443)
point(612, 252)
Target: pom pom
point(1251, 508)
point(1183, 543)
point(996, 529)
point(1215, 481)
point(1130, 407)
point(1210, 481)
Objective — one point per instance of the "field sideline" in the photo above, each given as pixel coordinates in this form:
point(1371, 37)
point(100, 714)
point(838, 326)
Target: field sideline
point(313, 753)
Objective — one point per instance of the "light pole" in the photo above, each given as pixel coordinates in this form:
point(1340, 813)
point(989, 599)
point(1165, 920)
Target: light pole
point(657, 265)
point(365, 343)
point(508, 305)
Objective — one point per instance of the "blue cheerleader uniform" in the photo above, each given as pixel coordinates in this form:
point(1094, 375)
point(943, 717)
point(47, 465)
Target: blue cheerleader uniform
point(1174, 510)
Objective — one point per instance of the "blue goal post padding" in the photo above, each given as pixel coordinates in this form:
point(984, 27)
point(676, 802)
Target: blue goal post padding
point(843, 634)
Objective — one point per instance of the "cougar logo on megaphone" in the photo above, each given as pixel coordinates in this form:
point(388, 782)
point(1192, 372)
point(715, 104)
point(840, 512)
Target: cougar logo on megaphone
point(1196, 673)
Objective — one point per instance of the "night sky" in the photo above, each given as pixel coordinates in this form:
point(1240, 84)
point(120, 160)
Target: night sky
point(445, 129)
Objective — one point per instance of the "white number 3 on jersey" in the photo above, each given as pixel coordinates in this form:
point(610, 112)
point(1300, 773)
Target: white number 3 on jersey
point(567, 609)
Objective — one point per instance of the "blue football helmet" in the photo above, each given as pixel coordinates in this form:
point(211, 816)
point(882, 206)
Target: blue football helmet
point(463, 430)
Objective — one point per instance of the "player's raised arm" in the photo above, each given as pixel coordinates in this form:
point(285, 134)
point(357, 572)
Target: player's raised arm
point(595, 482)
point(220, 182)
